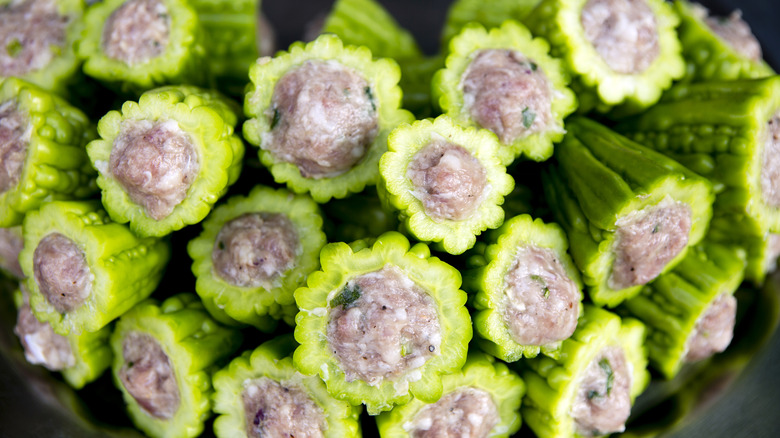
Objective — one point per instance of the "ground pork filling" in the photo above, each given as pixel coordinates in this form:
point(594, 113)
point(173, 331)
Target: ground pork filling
point(383, 326)
point(41, 345)
point(508, 94)
point(32, 32)
point(11, 244)
point(148, 376)
point(733, 30)
point(773, 252)
point(541, 302)
point(714, 329)
point(156, 163)
point(448, 180)
point(255, 249)
point(602, 403)
point(647, 240)
point(463, 413)
point(61, 272)
point(770, 171)
point(280, 409)
point(137, 31)
point(323, 119)
point(15, 131)
point(623, 32)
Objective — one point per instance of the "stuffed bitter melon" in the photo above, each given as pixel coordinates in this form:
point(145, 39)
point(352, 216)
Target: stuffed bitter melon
point(42, 150)
point(488, 14)
point(11, 243)
point(483, 399)
point(321, 113)
point(381, 324)
point(83, 270)
point(164, 357)
point(527, 289)
point(690, 311)
point(761, 246)
point(446, 181)
point(254, 251)
point(262, 394)
point(505, 80)
point(630, 213)
point(590, 389)
point(184, 138)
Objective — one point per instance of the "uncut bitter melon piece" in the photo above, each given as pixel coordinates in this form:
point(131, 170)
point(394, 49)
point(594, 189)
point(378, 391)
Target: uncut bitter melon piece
point(504, 80)
point(761, 246)
point(262, 394)
point(630, 213)
point(488, 14)
point(43, 156)
point(254, 251)
point(321, 114)
point(382, 323)
point(589, 391)
point(164, 357)
point(445, 180)
point(183, 137)
point(483, 399)
point(84, 270)
point(690, 311)
point(527, 292)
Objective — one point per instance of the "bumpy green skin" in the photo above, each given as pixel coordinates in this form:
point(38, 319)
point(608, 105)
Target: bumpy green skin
point(209, 118)
point(357, 217)
point(382, 75)
point(56, 166)
point(487, 280)
point(396, 188)
point(708, 56)
point(273, 360)
point(416, 77)
point(602, 177)
point(481, 372)
point(258, 306)
point(743, 231)
point(182, 62)
point(195, 345)
point(671, 305)
point(340, 263)
point(126, 268)
point(598, 86)
point(488, 14)
point(552, 384)
point(448, 92)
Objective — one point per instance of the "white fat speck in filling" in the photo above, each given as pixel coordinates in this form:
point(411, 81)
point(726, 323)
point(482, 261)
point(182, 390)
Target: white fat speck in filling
point(733, 30)
point(280, 409)
point(383, 326)
point(623, 32)
point(541, 302)
point(254, 249)
point(11, 244)
point(148, 376)
point(714, 329)
point(770, 171)
point(156, 163)
point(137, 31)
point(31, 33)
point(647, 240)
point(464, 413)
point(508, 94)
point(602, 402)
point(15, 132)
point(41, 345)
point(61, 272)
point(448, 180)
point(323, 119)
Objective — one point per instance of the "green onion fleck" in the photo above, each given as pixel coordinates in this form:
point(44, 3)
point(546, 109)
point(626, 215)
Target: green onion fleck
point(528, 117)
point(347, 297)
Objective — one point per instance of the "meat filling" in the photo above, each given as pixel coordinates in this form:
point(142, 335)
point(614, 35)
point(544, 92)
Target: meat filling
point(647, 240)
point(623, 32)
point(32, 33)
point(323, 119)
point(508, 94)
point(733, 30)
point(11, 244)
point(280, 409)
point(714, 329)
point(541, 301)
point(254, 249)
point(773, 252)
point(383, 326)
point(156, 163)
point(15, 131)
point(41, 345)
point(137, 31)
point(61, 272)
point(770, 172)
point(464, 413)
point(148, 376)
point(448, 180)
point(602, 403)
